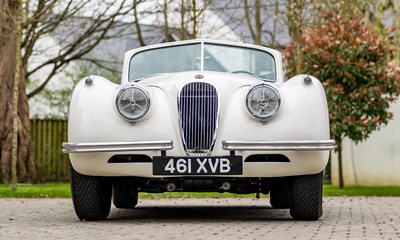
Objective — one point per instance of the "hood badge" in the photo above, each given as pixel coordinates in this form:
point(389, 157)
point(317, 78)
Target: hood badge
point(198, 76)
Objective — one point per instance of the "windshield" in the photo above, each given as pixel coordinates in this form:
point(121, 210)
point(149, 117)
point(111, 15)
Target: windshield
point(217, 57)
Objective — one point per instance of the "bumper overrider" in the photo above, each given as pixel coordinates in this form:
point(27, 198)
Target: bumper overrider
point(321, 145)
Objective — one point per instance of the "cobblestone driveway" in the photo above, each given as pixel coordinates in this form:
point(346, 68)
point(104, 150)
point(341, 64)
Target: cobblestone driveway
point(344, 218)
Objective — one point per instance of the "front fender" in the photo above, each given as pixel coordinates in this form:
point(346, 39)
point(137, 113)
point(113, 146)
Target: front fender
point(93, 115)
point(303, 114)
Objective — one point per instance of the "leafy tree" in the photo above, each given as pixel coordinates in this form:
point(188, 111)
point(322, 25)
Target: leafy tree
point(353, 62)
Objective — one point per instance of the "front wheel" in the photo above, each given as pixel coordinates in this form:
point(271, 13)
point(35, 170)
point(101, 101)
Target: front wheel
point(306, 202)
point(91, 196)
point(124, 197)
point(280, 198)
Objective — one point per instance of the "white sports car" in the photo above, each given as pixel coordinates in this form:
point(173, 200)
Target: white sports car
point(199, 116)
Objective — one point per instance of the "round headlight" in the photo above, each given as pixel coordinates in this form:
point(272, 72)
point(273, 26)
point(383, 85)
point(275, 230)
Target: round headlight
point(133, 103)
point(263, 101)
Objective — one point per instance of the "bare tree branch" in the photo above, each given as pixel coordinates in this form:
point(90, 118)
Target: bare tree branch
point(91, 31)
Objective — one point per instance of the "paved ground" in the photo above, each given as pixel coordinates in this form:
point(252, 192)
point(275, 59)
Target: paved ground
point(344, 218)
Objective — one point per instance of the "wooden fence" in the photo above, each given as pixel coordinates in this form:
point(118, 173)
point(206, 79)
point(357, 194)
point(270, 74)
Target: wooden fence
point(47, 136)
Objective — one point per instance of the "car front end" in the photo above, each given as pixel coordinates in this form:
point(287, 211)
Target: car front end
point(200, 129)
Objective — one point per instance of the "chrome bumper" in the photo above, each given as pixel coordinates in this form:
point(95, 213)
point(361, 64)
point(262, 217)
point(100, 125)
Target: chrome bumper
point(323, 145)
point(70, 147)
point(279, 145)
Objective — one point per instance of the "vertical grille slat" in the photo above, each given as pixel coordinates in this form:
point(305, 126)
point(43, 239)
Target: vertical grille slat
point(198, 110)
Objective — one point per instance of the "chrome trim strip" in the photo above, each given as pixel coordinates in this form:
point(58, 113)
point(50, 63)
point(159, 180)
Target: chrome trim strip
point(202, 56)
point(279, 145)
point(91, 147)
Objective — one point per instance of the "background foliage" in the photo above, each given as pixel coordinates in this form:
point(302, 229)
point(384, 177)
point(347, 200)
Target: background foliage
point(353, 61)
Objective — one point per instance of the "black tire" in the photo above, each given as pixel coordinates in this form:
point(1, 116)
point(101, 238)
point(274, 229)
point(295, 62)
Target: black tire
point(91, 196)
point(306, 202)
point(280, 198)
point(124, 197)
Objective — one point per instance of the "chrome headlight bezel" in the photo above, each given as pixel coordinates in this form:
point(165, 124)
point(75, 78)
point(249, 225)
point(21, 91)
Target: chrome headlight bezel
point(146, 106)
point(271, 90)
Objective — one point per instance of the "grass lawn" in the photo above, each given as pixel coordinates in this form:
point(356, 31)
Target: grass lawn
point(62, 190)
point(57, 190)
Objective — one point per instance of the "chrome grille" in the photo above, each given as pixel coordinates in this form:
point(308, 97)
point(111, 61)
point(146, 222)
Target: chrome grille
point(198, 109)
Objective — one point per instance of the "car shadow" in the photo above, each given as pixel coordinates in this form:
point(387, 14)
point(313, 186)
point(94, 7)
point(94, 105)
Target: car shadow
point(200, 213)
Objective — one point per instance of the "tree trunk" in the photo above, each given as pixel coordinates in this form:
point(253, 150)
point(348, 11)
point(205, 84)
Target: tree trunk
point(14, 152)
point(396, 14)
point(8, 48)
point(182, 13)
point(340, 163)
point(166, 27)
point(194, 10)
point(256, 30)
point(137, 25)
point(275, 23)
point(257, 20)
point(294, 10)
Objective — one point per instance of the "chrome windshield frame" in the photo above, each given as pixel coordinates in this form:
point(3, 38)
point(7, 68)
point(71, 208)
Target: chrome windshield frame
point(274, 54)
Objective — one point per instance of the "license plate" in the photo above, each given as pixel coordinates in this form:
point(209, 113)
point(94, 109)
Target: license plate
point(222, 165)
